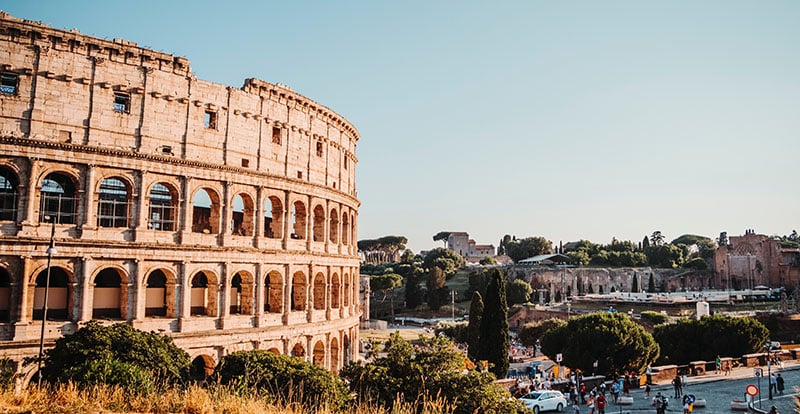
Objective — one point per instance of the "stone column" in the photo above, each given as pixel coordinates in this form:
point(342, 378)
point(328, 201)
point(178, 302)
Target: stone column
point(21, 307)
point(328, 287)
point(183, 290)
point(141, 203)
point(260, 290)
point(30, 216)
point(139, 291)
point(186, 213)
point(87, 290)
point(226, 205)
point(287, 219)
point(258, 220)
point(309, 223)
point(309, 291)
point(89, 208)
point(225, 288)
point(287, 292)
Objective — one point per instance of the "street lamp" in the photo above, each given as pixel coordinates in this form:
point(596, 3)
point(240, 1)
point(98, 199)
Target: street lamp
point(769, 370)
point(50, 252)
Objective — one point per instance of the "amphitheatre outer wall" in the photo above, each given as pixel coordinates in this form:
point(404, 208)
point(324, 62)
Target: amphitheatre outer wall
point(225, 218)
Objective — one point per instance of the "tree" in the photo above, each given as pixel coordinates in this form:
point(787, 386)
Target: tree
point(115, 355)
point(474, 325)
point(657, 239)
point(518, 291)
point(723, 238)
point(437, 290)
point(456, 331)
point(413, 292)
point(645, 243)
point(284, 375)
point(651, 284)
point(613, 339)
point(385, 284)
point(534, 331)
point(692, 340)
point(578, 257)
point(442, 236)
point(488, 261)
point(494, 342)
point(697, 263)
point(445, 259)
point(432, 368)
point(635, 283)
point(666, 256)
point(383, 249)
point(528, 247)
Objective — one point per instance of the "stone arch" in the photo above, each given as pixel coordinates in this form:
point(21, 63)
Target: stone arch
point(242, 220)
point(58, 198)
point(335, 289)
point(5, 295)
point(298, 220)
point(319, 223)
point(274, 350)
point(298, 291)
point(319, 291)
point(333, 233)
point(9, 182)
point(298, 350)
point(334, 355)
point(347, 354)
point(273, 292)
point(318, 357)
point(110, 294)
point(202, 367)
point(205, 211)
point(160, 286)
point(59, 296)
point(242, 293)
point(113, 201)
point(273, 217)
point(204, 292)
point(163, 199)
point(345, 228)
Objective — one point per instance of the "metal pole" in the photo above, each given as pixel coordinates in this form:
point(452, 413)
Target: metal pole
point(453, 304)
point(50, 252)
point(769, 370)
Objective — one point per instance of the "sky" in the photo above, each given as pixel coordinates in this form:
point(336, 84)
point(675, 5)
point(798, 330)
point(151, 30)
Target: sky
point(563, 119)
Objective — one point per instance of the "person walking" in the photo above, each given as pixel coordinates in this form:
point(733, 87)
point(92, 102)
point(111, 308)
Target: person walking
point(773, 384)
point(678, 385)
point(600, 402)
point(780, 384)
point(717, 364)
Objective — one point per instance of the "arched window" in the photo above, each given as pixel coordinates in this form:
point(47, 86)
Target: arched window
point(335, 291)
point(106, 298)
point(5, 296)
point(273, 285)
point(298, 350)
point(156, 294)
point(346, 290)
point(319, 224)
point(242, 220)
point(8, 195)
point(199, 301)
point(334, 355)
point(236, 295)
point(334, 227)
point(58, 200)
point(298, 292)
point(345, 229)
point(163, 208)
point(298, 220)
point(319, 291)
point(205, 212)
point(57, 295)
point(273, 218)
point(112, 210)
point(319, 354)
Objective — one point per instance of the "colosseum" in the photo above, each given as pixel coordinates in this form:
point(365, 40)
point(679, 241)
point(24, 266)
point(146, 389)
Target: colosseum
point(131, 191)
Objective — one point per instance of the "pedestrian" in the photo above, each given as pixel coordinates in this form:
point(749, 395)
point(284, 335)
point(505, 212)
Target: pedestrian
point(660, 402)
point(717, 364)
point(647, 390)
point(773, 410)
point(728, 368)
point(677, 384)
point(773, 384)
point(590, 403)
point(780, 383)
point(576, 408)
point(600, 402)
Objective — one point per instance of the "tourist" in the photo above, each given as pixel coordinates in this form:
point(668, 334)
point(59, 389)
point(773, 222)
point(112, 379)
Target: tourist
point(647, 390)
point(661, 403)
point(600, 402)
point(590, 403)
point(678, 385)
point(780, 384)
point(773, 384)
point(717, 364)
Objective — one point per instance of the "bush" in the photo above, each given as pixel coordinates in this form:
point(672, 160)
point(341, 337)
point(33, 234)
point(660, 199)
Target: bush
point(697, 263)
point(285, 378)
point(456, 331)
point(115, 355)
point(654, 318)
point(692, 340)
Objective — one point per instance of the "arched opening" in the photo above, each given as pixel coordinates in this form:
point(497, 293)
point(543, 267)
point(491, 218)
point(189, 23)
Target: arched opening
point(273, 284)
point(106, 297)
point(58, 200)
point(273, 218)
point(335, 291)
point(298, 350)
point(202, 367)
point(156, 294)
point(5, 295)
point(163, 208)
point(112, 203)
point(319, 223)
point(345, 229)
point(319, 354)
point(346, 347)
point(205, 212)
point(346, 290)
point(334, 355)
point(319, 291)
point(204, 294)
point(242, 220)
point(298, 220)
point(274, 350)
point(298, 291)
point(352, 230)
point(58, 295)
point(8, 195)
point(334, 227)
point(241, 299)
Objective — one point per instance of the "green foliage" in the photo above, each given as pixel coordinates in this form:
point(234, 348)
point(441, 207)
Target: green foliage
point(613, 339)
point(635, 283)
point(664, 255)
point(442, 236)
point(494, 342)
point(432, 368)
point(579, 257)
point(488, 261)
point(456, 331)
point(284, 377)
point(654, 318)
point(518, 291)
point(697, 263)
point(115, 355)
point(382, 249)
point(385, 283)
point(533, 331)
point(474, 326)
point(477, 281)
point(413, 291)
point(692, 340)
point(656, 239)
point(445, 259)
point(438, 293)
point(528, 247)
point(651, 284)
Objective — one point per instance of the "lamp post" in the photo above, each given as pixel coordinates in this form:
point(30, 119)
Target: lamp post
point(51, 250)
point(769, 366)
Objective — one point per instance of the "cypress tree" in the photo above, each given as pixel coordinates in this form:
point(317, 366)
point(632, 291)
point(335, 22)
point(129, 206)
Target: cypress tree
point(493, 342)
point(474, 325)
point(413, 292)
point(436, 288)
point(635, 284)
point(651, 284)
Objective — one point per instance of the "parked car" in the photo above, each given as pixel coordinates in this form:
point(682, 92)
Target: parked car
point(544, 401)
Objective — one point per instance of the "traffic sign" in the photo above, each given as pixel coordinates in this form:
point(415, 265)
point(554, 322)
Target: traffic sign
point(757, 372)
point(751, 390)
point(558, 358)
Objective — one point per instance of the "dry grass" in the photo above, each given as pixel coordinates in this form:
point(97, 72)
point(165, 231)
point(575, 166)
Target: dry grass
point(193, 400)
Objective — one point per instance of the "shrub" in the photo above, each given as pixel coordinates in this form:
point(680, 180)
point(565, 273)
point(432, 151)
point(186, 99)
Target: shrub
point(284, 378)
point(115, 355)
point(654, 318)
point(457, 331)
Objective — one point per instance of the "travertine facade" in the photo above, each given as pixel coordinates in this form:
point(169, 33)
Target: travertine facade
point(223, 217)
point(756, 259)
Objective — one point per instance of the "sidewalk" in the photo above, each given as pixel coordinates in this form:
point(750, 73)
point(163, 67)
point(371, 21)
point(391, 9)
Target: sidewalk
point(736, 373)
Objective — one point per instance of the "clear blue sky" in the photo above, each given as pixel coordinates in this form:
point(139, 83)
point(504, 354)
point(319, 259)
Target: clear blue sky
point(562, 119)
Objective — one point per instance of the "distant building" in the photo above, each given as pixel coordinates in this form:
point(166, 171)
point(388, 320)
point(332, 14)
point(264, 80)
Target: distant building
point(755, 260)
point(460, 243)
